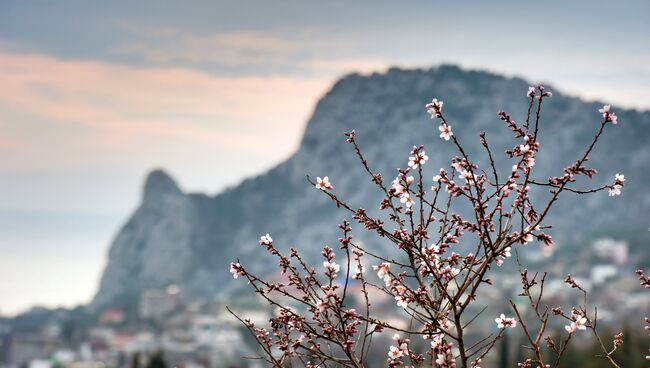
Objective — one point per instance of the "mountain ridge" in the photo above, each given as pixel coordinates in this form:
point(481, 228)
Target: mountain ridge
point(189, 239)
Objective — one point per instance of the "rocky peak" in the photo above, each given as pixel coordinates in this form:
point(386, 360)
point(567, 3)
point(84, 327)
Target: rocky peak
point(159, 185)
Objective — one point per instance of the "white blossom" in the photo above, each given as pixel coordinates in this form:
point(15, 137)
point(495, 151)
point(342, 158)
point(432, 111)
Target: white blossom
point(620, 178)
point(615, 190)
point(436, 341)
point(434, 108)
point(531, 92)
point(397, 187)
point(604, 110)
point(579, 323)
point(323, 183)
point(506, 252)
point(402, 301)
point(395, 353)
point(320, 305)
point(406, 199)
point(503, 322)
point(332, 266)
point(235, 269)
point(266, 240)
point(383, 271)
point(419, 159)
point(609, 116)
point(445, 131)
point(466, 175)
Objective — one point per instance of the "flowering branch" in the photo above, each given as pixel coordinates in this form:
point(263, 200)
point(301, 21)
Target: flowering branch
point(434, 281)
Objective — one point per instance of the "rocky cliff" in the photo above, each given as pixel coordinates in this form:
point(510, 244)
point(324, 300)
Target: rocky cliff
point(189, 239)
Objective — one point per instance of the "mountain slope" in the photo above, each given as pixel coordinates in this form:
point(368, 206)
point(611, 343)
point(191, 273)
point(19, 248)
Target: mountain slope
point(189, 239)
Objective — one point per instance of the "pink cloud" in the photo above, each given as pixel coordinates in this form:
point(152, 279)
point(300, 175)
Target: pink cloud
point(104, 110)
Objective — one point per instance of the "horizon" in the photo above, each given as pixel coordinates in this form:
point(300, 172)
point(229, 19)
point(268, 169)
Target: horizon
point(220, 95)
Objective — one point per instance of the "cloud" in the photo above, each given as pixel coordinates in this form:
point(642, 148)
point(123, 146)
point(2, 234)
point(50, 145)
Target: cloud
point(62, 113)
point(347, 65)
point(235, 49)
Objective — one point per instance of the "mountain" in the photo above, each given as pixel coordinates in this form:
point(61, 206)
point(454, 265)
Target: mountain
point(189, 239)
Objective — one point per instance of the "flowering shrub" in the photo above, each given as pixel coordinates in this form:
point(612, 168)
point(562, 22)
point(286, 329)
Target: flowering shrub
point(434, 283)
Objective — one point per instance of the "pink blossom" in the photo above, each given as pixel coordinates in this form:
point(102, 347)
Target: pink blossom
point(449, 272)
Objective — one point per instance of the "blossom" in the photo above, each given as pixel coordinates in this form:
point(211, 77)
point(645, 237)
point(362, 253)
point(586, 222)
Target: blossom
point(395, 353)
point(406, 199)
point(445, 131)
point(436, 178)
point(397, 187)
point(505, 254)
point(320, 305)
point(236, 270)
point(266, 240)
point(503, 322)
point(604, 110)
point(531, 92)
point(323, 183)
point(437, 340)
point(418, 159)
point(434, 108)
point(383, 271)
point(449, 272)
point(620, 178)
point(466, 175)
point(610, 117)
point(578, 323)
point(528, 238)
point(402, 301)
point(524, 148)
point(615, 190)
point(331, 266)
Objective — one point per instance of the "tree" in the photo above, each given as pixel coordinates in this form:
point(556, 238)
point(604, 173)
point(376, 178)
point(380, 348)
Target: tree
point(157, 360)
point(433, 283)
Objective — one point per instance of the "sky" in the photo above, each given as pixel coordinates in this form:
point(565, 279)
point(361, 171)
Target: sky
point(97, 94)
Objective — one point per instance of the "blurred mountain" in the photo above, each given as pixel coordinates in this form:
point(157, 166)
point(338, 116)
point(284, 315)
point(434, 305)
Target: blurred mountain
point(189, 239)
